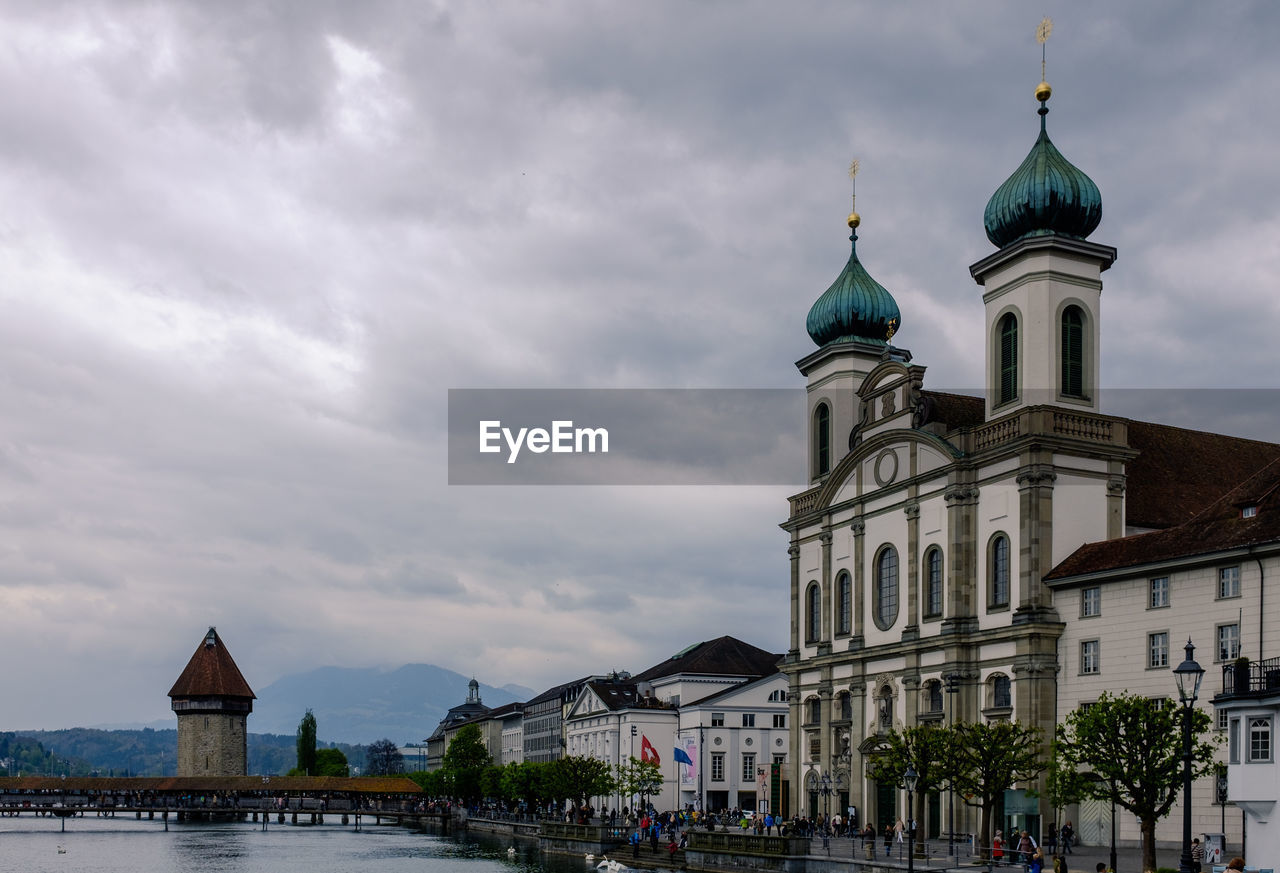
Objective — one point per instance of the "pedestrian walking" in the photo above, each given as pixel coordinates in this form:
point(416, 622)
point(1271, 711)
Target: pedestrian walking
point(1068, 834)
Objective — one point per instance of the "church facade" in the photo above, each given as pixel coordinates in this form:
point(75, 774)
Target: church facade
point(919, 553)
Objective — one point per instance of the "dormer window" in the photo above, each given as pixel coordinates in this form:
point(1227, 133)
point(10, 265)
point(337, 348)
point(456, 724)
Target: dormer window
point(1248, 511)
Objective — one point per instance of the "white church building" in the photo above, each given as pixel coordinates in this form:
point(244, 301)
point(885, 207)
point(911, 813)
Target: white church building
point(1009, 556)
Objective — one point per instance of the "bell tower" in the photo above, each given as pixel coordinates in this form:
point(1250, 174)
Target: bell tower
point(851, 323)
point(1043, 288)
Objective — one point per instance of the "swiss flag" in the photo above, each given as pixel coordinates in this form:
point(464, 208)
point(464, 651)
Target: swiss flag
point(648, 753)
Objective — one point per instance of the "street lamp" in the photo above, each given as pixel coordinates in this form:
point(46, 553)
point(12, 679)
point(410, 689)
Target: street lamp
point(1188, 674)
point(909, 779)
point(826, 794)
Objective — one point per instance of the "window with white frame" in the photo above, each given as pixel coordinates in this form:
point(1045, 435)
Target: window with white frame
point(749, 768)
point(779, 720)
point(1228, 582)
point(717, 766)
point(777, 696)
point(933, 582)
point(1158, 649)
point(844, 603)
point(1228, 641)
point(779, 759)
point(1221, 719)
point(813, 625)
point(717, 719)
point(1001, 692)
point(1259, 740)
point(1091, 601)
point(1158, 595)
point(748, 719)
point(998, 575)
point(1089, 657)
point(886, 589)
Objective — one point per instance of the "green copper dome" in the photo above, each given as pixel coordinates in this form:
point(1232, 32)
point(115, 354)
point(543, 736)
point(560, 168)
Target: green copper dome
point(855, 307)
point(1047, 194)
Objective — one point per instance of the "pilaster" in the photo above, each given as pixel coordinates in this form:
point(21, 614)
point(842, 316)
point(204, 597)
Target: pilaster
point(962, 565)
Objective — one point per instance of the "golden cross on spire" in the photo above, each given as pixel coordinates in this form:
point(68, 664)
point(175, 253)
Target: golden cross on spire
point(1042, 36)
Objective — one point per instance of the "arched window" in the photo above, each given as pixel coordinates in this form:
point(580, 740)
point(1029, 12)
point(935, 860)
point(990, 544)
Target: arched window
point(933, 582)
point(1001, 696)
point(846, 706)
point(844, 603)
point(822, 440)
point(933, 694)
point(813, 623)
point(1008, 386)
point(1073, 352)
point(886, 587)
point(998, 592)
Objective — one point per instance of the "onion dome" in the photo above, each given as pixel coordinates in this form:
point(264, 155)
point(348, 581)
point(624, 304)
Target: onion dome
point(1046, 195)
point(855, 307)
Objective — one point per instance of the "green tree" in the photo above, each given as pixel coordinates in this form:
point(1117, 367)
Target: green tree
point(307, 744)
point(638, 778)
point(926, 749)
point(492, 785)
point(1064, 783)
point(1133, 747)
point(989, 759)
point(577, 778)
point(331, 762)
point(435, 783)
point(465, 761)
point(525, 781)
point(383, 758)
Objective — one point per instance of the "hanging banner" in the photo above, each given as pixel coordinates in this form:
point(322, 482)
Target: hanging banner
point(688, 772)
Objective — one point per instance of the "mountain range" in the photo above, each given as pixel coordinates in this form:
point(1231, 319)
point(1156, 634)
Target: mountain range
point(358, 706)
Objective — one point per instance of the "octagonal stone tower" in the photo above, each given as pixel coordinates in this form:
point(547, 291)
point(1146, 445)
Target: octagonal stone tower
point(213, 702)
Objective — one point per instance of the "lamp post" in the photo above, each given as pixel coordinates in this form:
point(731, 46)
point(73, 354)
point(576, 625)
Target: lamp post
point(826, 794)
point(909, 779)
point(953, 686)
point(1113, 826)
point(1188, 674)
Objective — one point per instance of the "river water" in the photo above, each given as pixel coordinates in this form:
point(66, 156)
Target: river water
point(125, 845)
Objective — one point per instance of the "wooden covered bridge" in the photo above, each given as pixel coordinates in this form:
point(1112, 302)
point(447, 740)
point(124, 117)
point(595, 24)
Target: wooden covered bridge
point(298, 800)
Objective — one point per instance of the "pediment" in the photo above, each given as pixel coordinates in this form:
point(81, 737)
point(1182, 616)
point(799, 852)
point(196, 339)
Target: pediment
point(883, 462)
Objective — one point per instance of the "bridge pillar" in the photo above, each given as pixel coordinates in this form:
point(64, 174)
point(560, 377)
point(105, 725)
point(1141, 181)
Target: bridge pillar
point(295, 818)
point(280, 818)
point(346, 819)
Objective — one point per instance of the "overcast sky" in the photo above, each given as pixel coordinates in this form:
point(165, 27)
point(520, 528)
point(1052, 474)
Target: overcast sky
point(247, 247)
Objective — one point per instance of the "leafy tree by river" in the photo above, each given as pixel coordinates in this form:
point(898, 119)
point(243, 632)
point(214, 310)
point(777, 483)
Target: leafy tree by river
point(307, 744)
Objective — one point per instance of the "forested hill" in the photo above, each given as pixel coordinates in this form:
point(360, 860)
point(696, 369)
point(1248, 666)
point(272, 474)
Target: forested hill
point(146, 752)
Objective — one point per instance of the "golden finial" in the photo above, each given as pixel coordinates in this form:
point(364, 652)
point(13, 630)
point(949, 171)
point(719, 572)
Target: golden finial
point(1043, 91)
point(893, 328)
point(854, 219)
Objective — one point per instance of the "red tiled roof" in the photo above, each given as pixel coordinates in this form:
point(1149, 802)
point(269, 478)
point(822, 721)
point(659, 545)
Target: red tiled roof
point(955, 410)
point(1218, 527)
point(211, 672)
point(1179, 472)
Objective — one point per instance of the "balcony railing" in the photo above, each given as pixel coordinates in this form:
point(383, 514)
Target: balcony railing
point(1252, 678)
